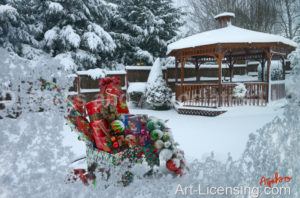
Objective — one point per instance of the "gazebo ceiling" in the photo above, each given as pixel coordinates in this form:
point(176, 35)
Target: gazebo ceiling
point(238, 40)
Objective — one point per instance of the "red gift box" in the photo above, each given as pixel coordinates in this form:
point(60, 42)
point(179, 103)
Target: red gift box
point(111, 93)
point(93, 109)
point(79, 105)
point(84, 126)
point(100, 130)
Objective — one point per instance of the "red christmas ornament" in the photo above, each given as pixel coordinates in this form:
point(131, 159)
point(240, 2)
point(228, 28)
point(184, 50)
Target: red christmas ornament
point(115, 145)
point(171, 165)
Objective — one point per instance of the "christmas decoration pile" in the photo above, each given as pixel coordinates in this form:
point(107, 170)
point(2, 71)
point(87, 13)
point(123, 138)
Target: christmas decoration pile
point(113, 136)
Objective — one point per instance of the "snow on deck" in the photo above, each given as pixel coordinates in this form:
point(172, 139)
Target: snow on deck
point(230, 34)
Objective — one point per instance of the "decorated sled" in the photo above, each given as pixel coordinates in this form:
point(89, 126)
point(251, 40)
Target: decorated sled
point(114, 137)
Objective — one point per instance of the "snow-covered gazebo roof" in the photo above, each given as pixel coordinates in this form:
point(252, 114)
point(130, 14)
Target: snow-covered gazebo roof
point(228, 35)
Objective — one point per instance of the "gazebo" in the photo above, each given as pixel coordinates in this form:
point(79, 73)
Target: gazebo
point(227, 45)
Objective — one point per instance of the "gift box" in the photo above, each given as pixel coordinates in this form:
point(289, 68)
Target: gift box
point(111, 93)
point(101, 132)
point(84, 127)
point(134, 123)
point(98, 109)
point(93, 108)
point(79, 105)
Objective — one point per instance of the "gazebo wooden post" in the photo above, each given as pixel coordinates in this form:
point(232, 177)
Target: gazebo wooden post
point(283, 68)
point(269, 57)
point(176, 70)
point(231, 64)
point(263, 63)
point(219, 61)
point(197, 67)
point(182, 60)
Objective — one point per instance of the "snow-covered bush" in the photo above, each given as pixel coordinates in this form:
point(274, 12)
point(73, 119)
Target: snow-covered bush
point(158, 94)
point(136, 92)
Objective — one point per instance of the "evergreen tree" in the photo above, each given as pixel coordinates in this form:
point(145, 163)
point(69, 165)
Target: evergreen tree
point(142, 29)
point(158, 94)
point(77, 27)
point(14, 29)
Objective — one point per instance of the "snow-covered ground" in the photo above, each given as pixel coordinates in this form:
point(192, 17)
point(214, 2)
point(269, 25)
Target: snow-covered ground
point(198, 136)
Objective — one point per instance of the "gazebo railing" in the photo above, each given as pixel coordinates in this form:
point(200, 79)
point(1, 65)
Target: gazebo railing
point(208, 95)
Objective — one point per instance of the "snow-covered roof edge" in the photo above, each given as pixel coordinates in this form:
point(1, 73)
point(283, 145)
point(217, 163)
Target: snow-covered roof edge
point(230, 34)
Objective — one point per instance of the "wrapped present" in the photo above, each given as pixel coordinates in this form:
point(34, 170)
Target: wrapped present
point(131, 141)
point(93, 109)
point(79, 105)
point(84, 127)
point(134, 123)
point(101, 132)
point(111, 93)
point(145, 137)
point(98, 109)
point(104, 145)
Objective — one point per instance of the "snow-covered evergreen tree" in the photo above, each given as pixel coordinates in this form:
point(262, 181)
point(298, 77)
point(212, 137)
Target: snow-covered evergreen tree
point(158, 94)
point(77, 27)
point(15, 30)
point(142, 29)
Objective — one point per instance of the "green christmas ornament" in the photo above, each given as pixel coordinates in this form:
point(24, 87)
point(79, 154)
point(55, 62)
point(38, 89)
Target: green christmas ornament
point(165, 137)
point(160, 125)
point(156, 134)
point(117, 126)
point(150, 125)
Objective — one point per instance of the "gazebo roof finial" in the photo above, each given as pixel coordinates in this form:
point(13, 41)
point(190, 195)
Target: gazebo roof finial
point(225, 18)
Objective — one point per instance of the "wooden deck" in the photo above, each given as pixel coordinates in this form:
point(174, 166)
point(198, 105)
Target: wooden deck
point(215, 95)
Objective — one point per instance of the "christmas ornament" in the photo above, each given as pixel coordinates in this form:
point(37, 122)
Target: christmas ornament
point(165, 155)
point(115, 145)
point(174, 165)
point(156, 134)
point(160, 125)
point(150, 125)
point(117, 126)
point(165, 137)
point(159, 144)
point(167, 144)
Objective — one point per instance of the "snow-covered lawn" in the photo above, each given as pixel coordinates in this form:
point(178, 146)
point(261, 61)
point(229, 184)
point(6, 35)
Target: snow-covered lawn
point(198, 136)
